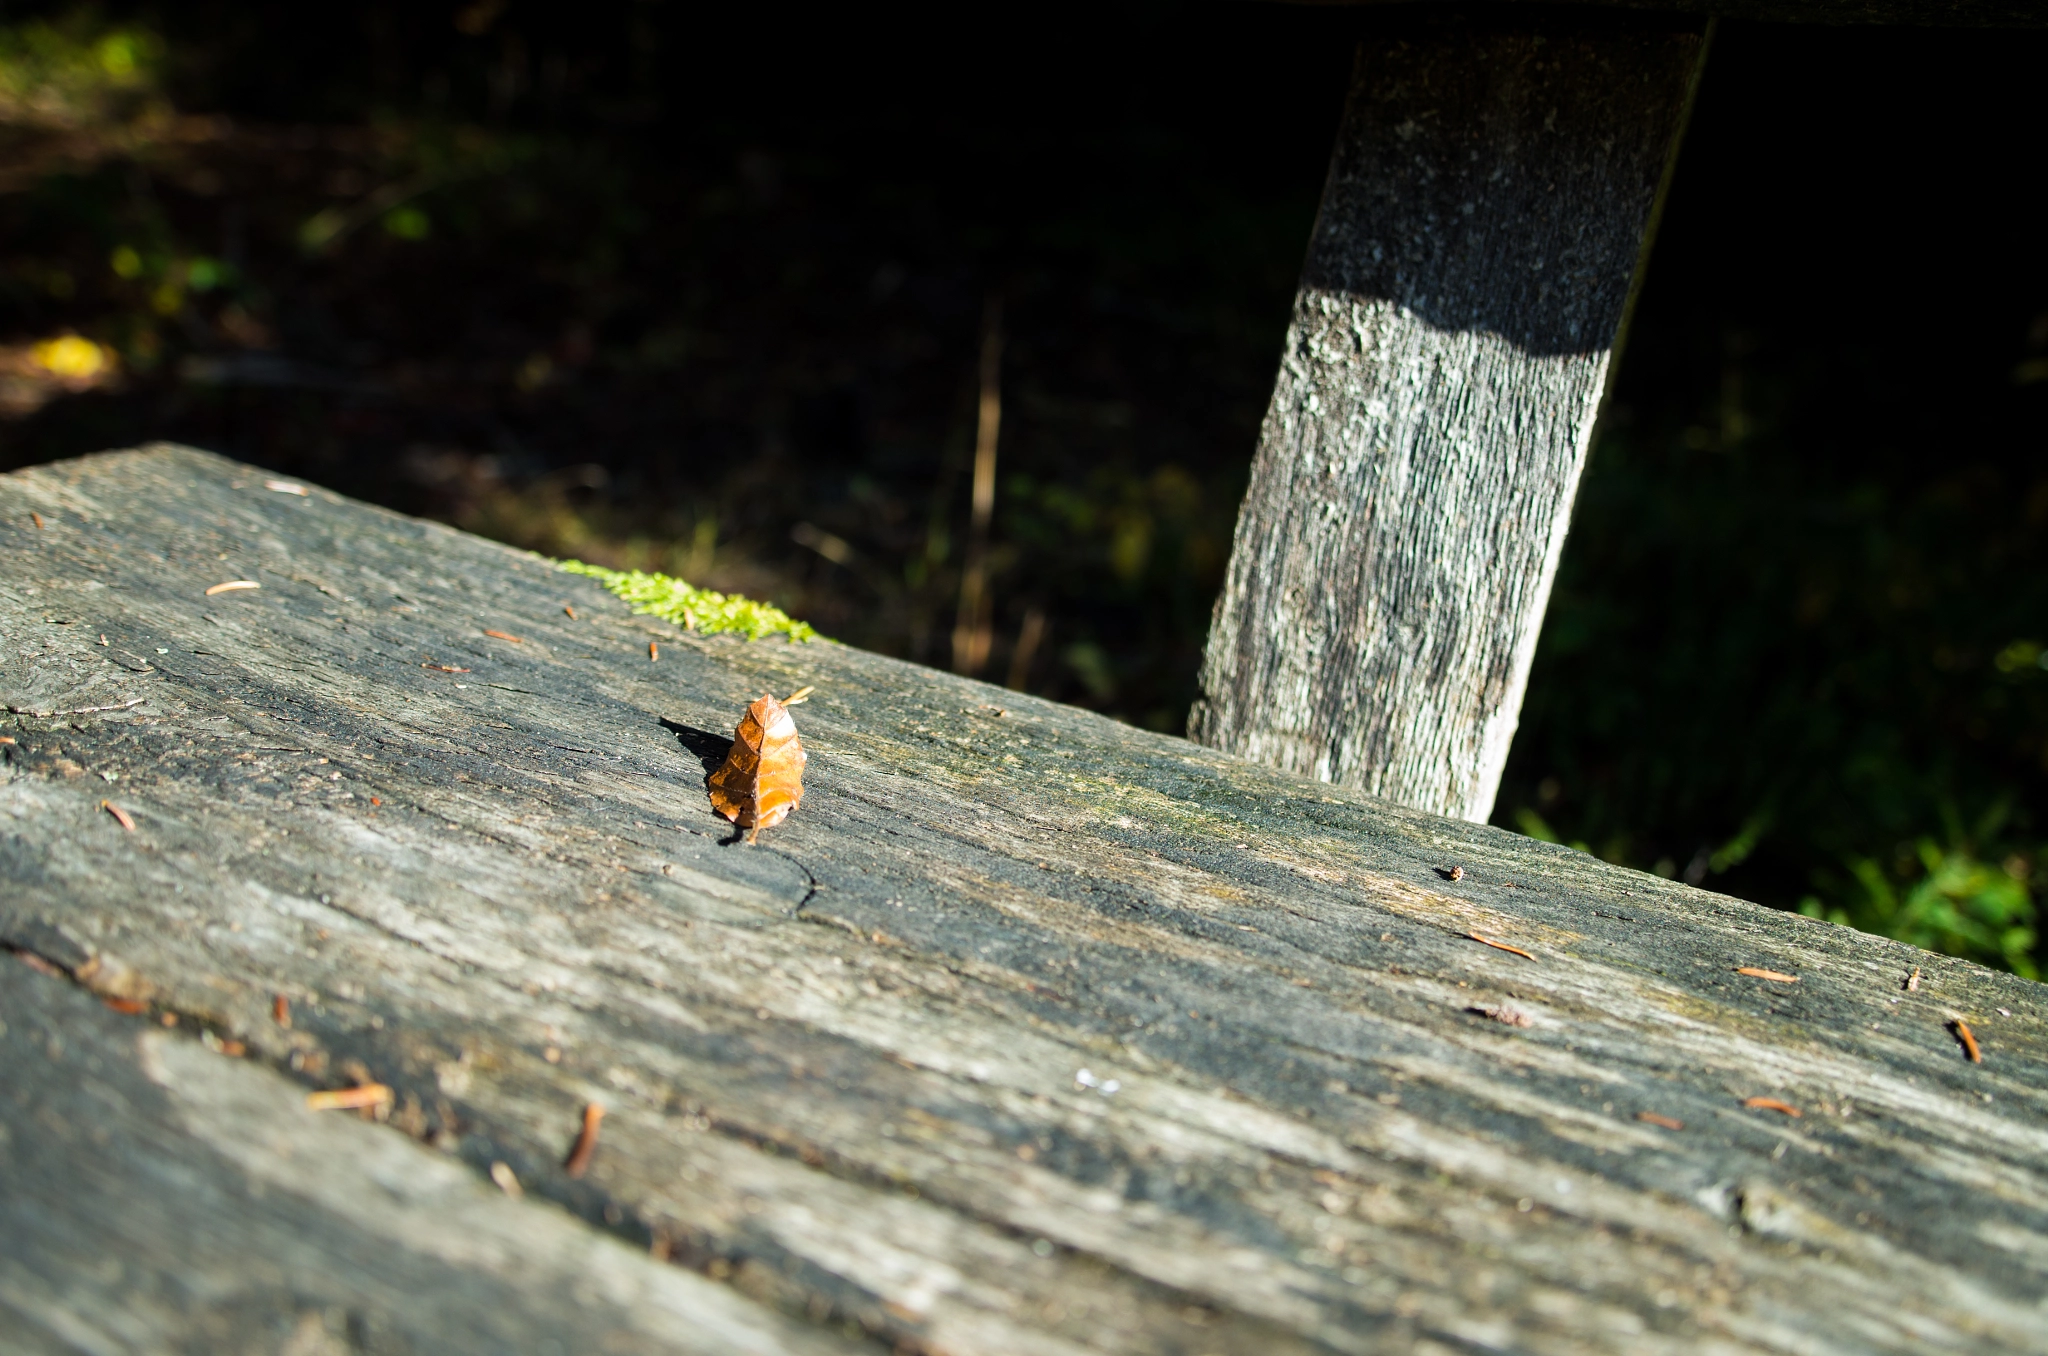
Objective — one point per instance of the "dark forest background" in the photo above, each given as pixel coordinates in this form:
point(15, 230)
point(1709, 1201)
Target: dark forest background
point(706, 293)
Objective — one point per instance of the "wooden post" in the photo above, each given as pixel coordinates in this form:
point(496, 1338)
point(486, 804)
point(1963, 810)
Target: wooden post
point(1491, 195)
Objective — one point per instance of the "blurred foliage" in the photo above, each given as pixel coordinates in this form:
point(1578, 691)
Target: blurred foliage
point(76, 72)
point(671, 293)
point(700, 295)
point(1794, 648)
point(1953, 903)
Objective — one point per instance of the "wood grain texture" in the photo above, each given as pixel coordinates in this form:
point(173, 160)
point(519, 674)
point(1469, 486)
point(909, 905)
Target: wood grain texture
point(1029, 1032)
point(156, 1196)
point(1488, 201)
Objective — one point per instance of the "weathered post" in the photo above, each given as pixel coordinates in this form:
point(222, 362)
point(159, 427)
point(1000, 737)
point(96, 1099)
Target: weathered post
point(1493, 189)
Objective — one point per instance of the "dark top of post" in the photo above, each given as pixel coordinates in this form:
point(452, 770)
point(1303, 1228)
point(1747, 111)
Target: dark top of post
point(1920, 13)
point(1029, 1031)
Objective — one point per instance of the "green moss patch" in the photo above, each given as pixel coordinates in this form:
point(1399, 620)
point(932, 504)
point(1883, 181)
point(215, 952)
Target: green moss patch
point(692, 608)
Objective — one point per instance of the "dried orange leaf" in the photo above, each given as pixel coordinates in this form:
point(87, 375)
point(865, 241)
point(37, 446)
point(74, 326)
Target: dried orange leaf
point(762, 779)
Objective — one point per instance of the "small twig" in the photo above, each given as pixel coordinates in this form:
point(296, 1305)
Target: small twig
point(233, 586)
point(1667, 1122)
point(40, 965)
point(281, 1011)
point(500, 635)
point(653, 652)
point(972, 631)
point(572, 617)
point(444, 668)
point(1499, 946)
point(507, 1181)
point(1029, 637)
point(286, 487)
point(586, 1141)
point(1758, 972)
point(120, 815)
point(39, 520)
point(802, 694)
point(1913, 980)
point(1772, 1104)
point(1969, 1040)
point(81, 711)
point(349, 1099)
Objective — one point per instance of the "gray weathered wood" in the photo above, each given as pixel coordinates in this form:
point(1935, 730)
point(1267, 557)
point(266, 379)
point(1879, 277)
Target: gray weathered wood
point(1489, 198)
point(844, 1070)
point(157, 1196)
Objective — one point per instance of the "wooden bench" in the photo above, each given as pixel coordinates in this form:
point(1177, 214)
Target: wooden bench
point(1490, 206)
point(1029, 1033)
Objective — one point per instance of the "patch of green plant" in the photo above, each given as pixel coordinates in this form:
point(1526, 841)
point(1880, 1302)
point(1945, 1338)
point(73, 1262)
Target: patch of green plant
point(73, 74)
point(701, 610)
point(1793, 659)
point(1943, 898)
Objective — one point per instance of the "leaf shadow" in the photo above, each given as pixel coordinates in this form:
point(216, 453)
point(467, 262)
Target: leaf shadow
point(707, 747)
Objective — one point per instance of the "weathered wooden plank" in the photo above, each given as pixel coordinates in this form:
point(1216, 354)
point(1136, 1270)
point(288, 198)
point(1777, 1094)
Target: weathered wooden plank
point(844, 1070)
point(155, 1196)
point(1489, 198)
point(1916, 13)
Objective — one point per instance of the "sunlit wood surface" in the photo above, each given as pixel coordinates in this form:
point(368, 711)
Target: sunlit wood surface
point(1028, 1032)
